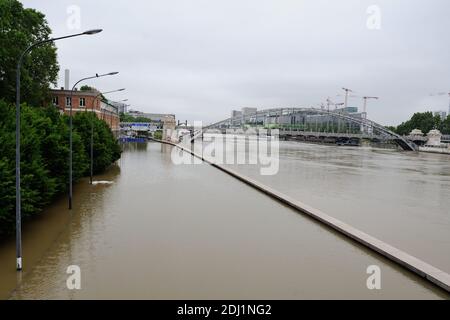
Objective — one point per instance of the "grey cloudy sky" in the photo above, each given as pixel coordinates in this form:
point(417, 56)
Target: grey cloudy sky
point(201, 58)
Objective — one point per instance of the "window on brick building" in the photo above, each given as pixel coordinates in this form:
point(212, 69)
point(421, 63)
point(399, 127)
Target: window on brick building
point(82, 102)
point(55, 101)
point(68, 101)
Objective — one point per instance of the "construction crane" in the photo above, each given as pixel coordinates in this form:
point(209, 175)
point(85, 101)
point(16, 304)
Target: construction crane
point(364, 98)
point(347, 92)
point(443, 94)
point(329, 103)
point(365, 103)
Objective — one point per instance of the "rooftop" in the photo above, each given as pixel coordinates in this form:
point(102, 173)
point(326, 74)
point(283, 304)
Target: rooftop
point(92, 93)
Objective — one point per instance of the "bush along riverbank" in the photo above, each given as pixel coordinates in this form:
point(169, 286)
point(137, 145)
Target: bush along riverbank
point(45, 154)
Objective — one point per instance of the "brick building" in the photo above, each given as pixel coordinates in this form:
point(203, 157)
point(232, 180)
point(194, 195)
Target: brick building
point(86, 101)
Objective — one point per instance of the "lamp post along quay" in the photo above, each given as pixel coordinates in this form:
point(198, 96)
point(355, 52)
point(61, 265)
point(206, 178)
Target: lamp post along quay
point(71, 131)
point(92, 131)
point(19, 265)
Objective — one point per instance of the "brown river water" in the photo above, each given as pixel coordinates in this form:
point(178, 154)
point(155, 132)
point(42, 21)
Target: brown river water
point(162, 231)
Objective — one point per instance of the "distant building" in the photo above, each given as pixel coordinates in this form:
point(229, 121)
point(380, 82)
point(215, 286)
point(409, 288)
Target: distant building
point(152, 117)
point(86, 101)
point(249, 111)
point(351, 110)
point(169, 126)
point(239, 116)
point(236, 114)
point(441, 114)
point(285, 118)
point(121, 107)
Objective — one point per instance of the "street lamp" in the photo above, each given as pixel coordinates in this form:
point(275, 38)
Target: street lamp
point(70, 132)
point(18, 190)
point(92, 129)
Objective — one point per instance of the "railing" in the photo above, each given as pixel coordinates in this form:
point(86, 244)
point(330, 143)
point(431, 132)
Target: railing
point(330, 134)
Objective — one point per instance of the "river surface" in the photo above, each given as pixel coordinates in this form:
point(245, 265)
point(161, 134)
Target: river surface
point(166, 231)
point(402, 198)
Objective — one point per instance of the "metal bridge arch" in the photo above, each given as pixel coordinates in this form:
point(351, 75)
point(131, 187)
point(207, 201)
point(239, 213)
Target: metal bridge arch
point(401, 141)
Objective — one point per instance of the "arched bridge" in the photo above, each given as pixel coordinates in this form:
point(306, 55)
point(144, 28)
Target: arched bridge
point(315, 122)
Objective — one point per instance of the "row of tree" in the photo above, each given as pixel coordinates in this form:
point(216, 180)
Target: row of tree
point(19, 28)
point(44, 131)
point(129, 118)
point(45, 153)
point(424, 121)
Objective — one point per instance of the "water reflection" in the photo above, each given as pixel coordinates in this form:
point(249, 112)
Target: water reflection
point(43, 232)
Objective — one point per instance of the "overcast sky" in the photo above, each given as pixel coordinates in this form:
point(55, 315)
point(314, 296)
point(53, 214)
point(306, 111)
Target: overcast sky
point(200, 59)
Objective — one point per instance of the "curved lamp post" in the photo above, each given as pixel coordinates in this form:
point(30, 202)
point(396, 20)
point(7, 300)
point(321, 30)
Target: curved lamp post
point(92, 129)
point(70, 132)
point(18, 190)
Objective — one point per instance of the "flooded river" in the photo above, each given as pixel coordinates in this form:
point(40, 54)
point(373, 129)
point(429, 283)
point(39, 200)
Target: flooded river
point(161, 231)
point(402, 198)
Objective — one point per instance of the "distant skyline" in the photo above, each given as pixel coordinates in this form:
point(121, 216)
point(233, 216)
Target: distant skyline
point(200, 59)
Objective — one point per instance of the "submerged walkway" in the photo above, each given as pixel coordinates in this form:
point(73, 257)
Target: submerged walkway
point(162, 231)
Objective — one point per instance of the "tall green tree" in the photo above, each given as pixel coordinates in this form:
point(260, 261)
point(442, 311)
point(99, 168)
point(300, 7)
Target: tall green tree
point(129, 118)
point(44, 131)
point(424, 121)
point(106, 148)
point(89, 88)
point(44, 156)
point(38, 186)
point(19, 28)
